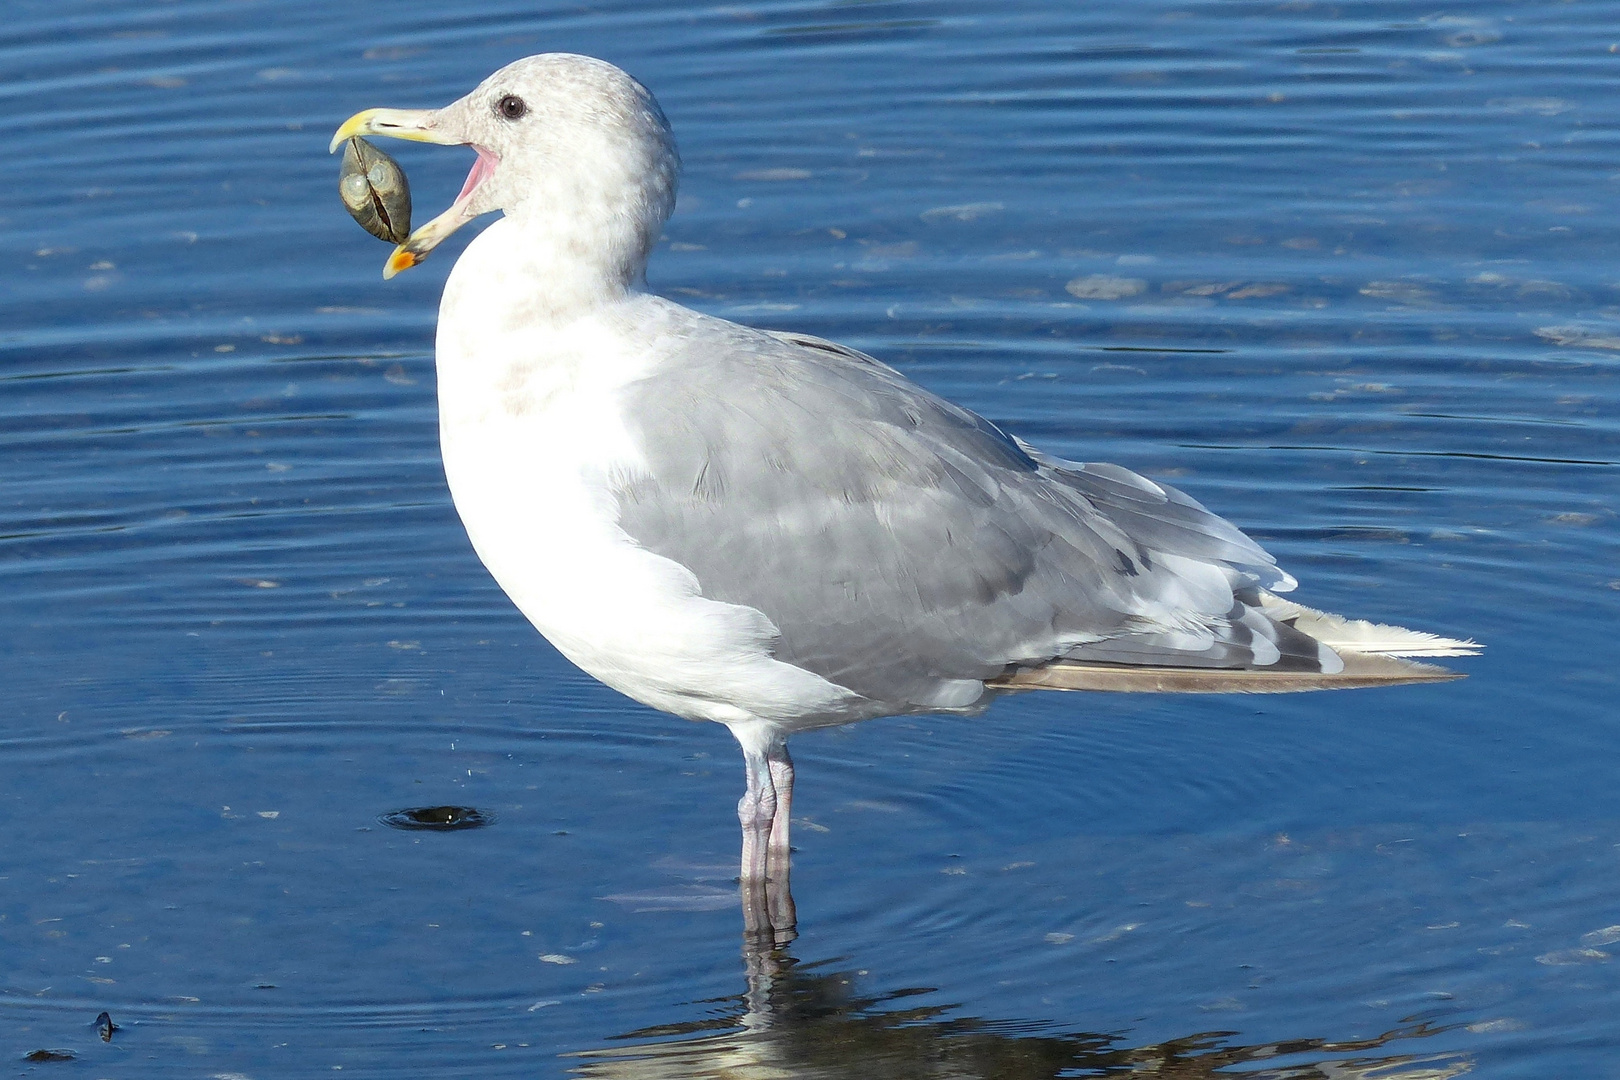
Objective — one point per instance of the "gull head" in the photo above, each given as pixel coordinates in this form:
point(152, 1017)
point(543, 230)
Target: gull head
point(570, 147)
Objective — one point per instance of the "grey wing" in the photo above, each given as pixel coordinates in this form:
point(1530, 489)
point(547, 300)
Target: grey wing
point(908, 549)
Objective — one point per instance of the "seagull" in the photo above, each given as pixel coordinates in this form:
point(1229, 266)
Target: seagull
point(775, 532)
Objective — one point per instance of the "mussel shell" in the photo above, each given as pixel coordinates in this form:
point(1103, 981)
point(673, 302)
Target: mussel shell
point(374, 188)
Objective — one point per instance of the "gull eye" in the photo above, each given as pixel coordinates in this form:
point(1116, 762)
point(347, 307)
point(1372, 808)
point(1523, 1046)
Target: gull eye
point(511, 107)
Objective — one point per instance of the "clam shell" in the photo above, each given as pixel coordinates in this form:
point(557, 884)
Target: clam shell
point(374, 189)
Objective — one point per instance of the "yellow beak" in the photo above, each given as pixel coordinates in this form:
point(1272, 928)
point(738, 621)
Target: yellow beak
point(413, 124)
point(417, 125)
point(423, 240)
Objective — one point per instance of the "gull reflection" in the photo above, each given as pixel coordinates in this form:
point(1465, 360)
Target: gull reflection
point(813, 1022)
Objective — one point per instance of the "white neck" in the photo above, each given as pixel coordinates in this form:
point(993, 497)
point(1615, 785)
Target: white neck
point(581, 219)
point(539, 269)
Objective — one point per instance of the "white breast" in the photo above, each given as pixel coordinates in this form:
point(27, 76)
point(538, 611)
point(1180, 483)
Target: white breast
point(533, 436)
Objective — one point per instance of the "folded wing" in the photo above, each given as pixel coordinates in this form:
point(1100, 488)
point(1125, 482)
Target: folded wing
point(912, 552)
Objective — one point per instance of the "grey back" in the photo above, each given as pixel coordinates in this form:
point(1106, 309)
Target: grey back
point(906, 548)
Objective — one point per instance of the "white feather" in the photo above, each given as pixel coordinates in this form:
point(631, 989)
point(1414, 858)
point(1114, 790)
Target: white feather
point(1361, 636)
point(532, 430)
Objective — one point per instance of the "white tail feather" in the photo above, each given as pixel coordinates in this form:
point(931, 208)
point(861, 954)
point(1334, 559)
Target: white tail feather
point(1360, 636)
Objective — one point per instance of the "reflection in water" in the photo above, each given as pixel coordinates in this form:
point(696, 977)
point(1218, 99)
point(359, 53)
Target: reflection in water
point(810, 1021)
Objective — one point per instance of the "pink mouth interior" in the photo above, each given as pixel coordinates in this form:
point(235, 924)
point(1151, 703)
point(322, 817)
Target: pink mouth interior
point(482, 170)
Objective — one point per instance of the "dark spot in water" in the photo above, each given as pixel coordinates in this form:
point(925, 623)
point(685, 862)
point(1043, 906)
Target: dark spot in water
point(105, 1027)
point(50, 1055)
point(438, 817)
point(264, 986)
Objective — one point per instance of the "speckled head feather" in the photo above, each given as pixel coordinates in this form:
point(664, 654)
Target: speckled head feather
point(571, 148)
point(577, 141)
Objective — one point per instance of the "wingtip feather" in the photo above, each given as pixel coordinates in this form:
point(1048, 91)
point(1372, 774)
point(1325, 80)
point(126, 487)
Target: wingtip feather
point(1364, 670)
point(1360, 636)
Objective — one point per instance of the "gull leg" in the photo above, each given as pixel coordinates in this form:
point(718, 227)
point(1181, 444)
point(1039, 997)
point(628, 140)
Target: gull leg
point(756, 811)
point(778, 854)
point(781, 767)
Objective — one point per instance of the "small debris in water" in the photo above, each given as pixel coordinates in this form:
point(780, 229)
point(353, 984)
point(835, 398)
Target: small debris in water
point(50, 1055)
point(105, 1027)
point(438, 817)
point(1105, 287)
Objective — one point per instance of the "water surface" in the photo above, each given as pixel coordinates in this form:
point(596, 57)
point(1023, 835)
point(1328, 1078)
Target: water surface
point(1343, 272)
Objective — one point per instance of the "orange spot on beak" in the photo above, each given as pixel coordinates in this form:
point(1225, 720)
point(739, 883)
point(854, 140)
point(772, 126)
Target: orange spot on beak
point(401, 259)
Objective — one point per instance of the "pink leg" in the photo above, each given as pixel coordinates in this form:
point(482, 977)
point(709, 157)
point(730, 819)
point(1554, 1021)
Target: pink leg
point(756, 811)
point(781, 767)
point(779, 855)
point(763, 812)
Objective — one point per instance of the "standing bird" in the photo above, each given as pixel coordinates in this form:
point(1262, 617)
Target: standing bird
point(776, 532)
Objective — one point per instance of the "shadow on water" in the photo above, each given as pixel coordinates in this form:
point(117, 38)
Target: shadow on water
point(812, 1021)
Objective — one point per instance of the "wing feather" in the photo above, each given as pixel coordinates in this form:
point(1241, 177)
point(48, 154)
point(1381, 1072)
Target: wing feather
point(908, 549)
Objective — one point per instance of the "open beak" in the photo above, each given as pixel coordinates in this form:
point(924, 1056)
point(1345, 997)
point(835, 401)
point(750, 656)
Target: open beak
point(419, 125)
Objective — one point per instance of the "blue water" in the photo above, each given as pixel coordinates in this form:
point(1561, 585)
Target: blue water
point(1346, 273)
